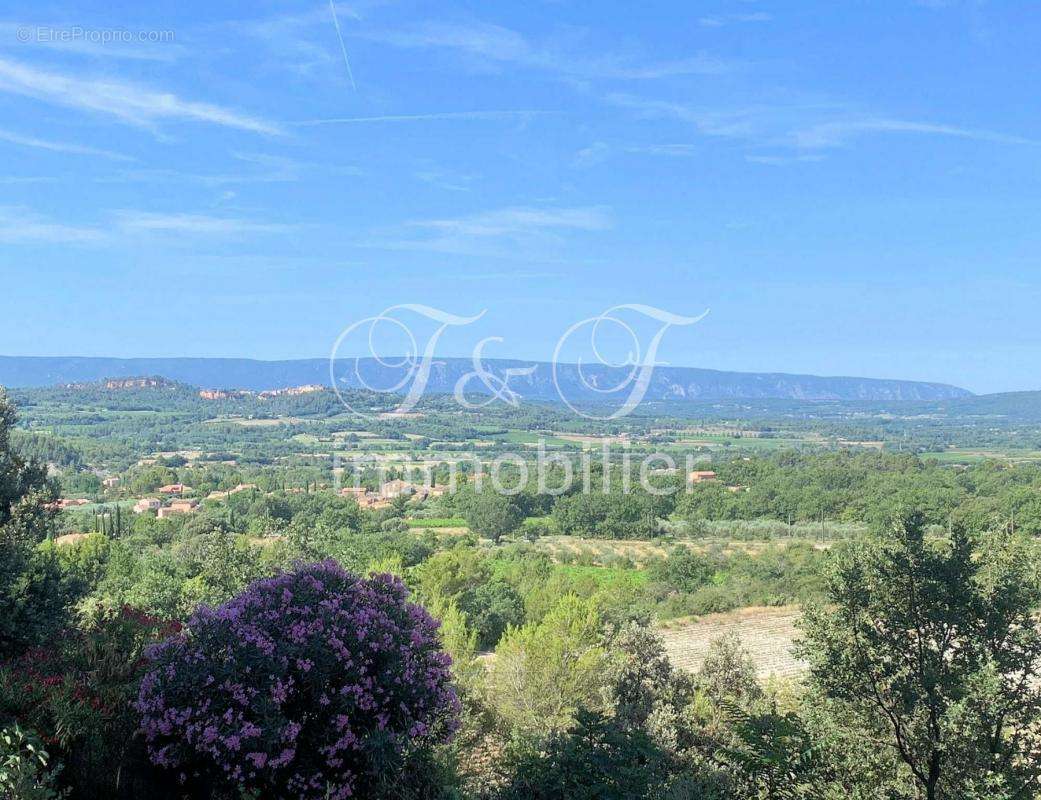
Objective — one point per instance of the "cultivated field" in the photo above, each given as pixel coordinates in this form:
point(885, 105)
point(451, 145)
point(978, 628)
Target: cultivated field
point(641, 551)
point(768, 634)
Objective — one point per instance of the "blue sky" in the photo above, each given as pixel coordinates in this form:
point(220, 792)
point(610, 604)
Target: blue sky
point(851, 188)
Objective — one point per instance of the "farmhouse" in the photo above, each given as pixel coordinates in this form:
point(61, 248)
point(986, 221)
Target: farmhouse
point(363, 496)
point(68, 503)
point(179, 507)
point(146, 504)
point(396, 488)
point(242, 487)
point(701, 476)
point(174, 488)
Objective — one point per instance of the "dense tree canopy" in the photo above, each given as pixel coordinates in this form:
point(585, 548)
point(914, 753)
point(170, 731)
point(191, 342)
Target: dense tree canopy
point(933, 645)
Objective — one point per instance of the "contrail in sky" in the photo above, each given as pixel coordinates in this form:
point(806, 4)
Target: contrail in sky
point(422, 117)
point(343, 47)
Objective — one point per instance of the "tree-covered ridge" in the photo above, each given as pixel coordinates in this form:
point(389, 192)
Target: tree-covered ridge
point(542, 383)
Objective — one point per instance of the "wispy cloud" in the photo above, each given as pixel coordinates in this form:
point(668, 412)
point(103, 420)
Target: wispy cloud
point(263, 168)
point(800, 127)
point(60, 147)
point(839, 132)
point(599, 152)
point(128, 103)
point(507, 231)
point(780, 161)
point(731, 123)
point(146, 221)
point(14, 180)
point(596, 153)
point(444, 178)
point(495, 44)
point(720, 20)
point(670, 150)
point(520, 220)
point(271, 167)
point(304, 43)
point(513, 275)
point(19, 225)
point(437, 115)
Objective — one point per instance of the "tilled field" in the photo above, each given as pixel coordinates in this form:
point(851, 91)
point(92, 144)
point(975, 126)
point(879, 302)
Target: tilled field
point(767, 633)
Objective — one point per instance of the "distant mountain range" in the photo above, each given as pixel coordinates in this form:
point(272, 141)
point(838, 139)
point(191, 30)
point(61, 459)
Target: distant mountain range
point(1020, 406)
point(667, 383)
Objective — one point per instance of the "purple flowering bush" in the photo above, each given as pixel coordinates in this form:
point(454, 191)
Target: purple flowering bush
point(312, 684)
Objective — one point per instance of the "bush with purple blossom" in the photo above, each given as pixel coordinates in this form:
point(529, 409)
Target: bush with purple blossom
point(314, 684)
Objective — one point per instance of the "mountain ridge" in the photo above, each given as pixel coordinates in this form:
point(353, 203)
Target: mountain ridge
point(666, 383)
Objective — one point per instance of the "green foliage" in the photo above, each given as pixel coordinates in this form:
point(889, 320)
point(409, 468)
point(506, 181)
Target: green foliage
point(595, 514)
point(683, 571)
point(644, 692)
point(36, 596)
point(597, 760)
point(728, 672)
point(933, 644)
point(544, 672)
point(437, 522)
point(579, 699)
point(492, 515)
point(77, 693)
point(772, 757)
point(25, 767)
point(84, 560)
point(491, 608)
point(718, 580)
point(450, 574)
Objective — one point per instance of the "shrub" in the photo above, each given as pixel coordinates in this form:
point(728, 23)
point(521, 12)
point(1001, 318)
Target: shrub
point(544, 672)
point(597, 759)
point(25, 771)
point(491, 608)
point(728, 672)
point(313, 684)
point(77, 693)
point(394, 525)
point(36, 596)
point(682, 571)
